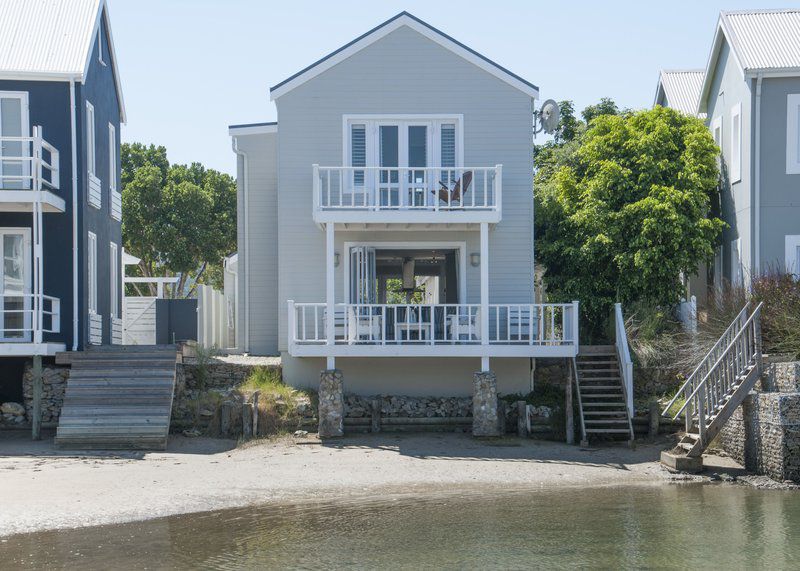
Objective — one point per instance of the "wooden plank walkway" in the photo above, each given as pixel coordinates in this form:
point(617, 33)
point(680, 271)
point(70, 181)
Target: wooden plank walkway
point(118, 397)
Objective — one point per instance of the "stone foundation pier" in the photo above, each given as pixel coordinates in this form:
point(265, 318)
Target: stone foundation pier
point(331, 404)
point(485, 420)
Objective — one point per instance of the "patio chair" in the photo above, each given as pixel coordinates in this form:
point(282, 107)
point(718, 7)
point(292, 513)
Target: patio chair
point(521, 322)
point(450, 197)
point(464, 325)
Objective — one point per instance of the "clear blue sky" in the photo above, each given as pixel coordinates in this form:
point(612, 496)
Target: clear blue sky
point(192, 67)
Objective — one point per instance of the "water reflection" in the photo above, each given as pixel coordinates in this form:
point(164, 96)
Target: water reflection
point(662, 526)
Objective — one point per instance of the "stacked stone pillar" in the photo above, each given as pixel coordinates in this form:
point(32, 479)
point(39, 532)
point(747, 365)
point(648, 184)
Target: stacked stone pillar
point(485, 420)
point(331, 404)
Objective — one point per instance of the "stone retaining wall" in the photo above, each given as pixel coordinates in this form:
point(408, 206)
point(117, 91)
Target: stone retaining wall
point(764, 435)
point(54, 384)
point(357, 406)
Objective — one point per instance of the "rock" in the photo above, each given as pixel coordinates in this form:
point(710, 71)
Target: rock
point(12, 408)
point(714, 477)
point(207, 413)
point(191, 433)
point(300, 433)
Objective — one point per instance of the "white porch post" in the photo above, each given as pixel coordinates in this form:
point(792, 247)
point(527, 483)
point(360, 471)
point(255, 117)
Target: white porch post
point(329, 293)
point(484, 292)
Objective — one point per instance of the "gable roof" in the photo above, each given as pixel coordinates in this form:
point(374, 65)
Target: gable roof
point(681, 87)
point(375, 34)
point(761, 41)
point(53, 40)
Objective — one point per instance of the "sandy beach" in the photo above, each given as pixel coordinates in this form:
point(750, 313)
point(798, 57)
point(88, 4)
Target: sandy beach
point(44, 488)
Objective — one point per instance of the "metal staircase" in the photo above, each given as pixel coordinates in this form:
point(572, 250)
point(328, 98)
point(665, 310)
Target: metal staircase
point(719, 383)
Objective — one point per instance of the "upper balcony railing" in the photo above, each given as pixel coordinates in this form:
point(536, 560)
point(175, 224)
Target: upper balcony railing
point(28, 163)
point(398, 193)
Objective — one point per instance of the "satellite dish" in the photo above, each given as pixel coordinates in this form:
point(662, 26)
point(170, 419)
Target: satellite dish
point(548, 117)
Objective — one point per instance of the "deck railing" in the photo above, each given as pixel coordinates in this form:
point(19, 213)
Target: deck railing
point(407, 188)
point(28, 163)
point(434, 324)
point(25, 316)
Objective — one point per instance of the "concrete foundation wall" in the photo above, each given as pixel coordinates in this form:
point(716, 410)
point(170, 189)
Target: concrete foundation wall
point(451, 377)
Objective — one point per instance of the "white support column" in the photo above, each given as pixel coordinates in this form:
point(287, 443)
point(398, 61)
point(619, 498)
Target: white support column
point(329, 293)
point(484, 291)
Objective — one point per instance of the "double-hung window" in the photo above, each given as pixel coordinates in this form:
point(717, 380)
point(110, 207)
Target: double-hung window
point(405, 158)
point(793, 133)
point(114, 276)
point(736, 143)
point(115, 196)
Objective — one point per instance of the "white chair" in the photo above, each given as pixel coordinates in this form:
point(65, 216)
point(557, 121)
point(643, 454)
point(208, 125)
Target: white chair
point(364, 325)
point(521, 323)
point(464, 324)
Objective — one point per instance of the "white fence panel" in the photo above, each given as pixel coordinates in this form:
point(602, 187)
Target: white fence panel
point(139, 315)
point(212, 318)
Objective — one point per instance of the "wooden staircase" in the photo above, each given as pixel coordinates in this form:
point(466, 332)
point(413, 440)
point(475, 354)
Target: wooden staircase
point(118, 397)
point(719, 384)
point(601, 394)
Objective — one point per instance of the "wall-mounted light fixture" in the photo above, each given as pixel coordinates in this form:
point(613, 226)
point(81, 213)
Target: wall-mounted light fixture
point(475, 259)
point(336, 259)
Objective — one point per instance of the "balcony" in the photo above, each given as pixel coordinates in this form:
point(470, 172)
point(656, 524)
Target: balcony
point(407, 195)
point(434, 330)
point(24, 319)
point(29, 173)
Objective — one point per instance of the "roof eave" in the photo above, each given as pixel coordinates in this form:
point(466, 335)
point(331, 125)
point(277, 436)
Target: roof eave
point(380, 31)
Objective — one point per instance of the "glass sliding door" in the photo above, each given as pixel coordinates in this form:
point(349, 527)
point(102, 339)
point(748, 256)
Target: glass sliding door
point(14, 169)
point(15, 284)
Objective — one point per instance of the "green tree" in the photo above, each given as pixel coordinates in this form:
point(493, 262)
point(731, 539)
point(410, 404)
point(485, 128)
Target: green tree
point(180, 220)
point(624, 208)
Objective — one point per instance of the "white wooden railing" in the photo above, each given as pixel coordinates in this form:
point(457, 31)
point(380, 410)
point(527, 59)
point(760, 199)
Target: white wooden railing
point(624, 357)
point(434, 324)
point(23, 315)
point(716, 378)
point(407, 188)
point(28, 163)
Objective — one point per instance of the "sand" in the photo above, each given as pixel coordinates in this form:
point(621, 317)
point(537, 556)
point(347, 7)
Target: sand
point(44, 488)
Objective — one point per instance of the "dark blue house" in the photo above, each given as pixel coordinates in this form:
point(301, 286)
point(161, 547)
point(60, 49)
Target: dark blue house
point(60, 205)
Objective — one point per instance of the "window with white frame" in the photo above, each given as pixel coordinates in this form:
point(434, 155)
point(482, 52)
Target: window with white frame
point(91, 141)
point(736, 143)
point(403, 141)
point(792, 262)
point(100, 46)
point(112, 158)
point(114, 286)
point(793, 133)
point(737, 273)
point(91, 270)
point(716, 132)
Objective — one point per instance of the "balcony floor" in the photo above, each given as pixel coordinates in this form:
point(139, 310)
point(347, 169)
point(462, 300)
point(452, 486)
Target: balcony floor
point(13, 349)
point(22, 201)
point(439, 349)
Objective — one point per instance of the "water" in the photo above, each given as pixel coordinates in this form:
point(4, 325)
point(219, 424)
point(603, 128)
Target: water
point(711, 526)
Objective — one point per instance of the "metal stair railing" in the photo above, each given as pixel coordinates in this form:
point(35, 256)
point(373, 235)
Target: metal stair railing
point(706, 363)
point(709, 395)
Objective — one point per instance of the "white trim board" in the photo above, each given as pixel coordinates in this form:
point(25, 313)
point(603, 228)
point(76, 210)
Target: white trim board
point(402, 19)
point(239, 130)
point(460, 246)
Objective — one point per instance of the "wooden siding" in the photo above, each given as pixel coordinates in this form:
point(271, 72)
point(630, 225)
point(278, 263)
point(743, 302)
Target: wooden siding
point(262, 214)
point(403, 73)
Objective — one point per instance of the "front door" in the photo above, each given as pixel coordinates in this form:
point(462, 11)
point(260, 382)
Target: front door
point(14, 169)
point(15, 284)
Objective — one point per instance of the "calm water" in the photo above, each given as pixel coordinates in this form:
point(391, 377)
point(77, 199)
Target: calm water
point(713, 526)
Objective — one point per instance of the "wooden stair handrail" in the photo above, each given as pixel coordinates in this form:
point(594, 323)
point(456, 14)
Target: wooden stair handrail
point(755, 313)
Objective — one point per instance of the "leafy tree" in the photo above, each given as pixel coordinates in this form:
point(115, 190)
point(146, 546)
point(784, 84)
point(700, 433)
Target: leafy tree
point(179, 219)
point(624, 208)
